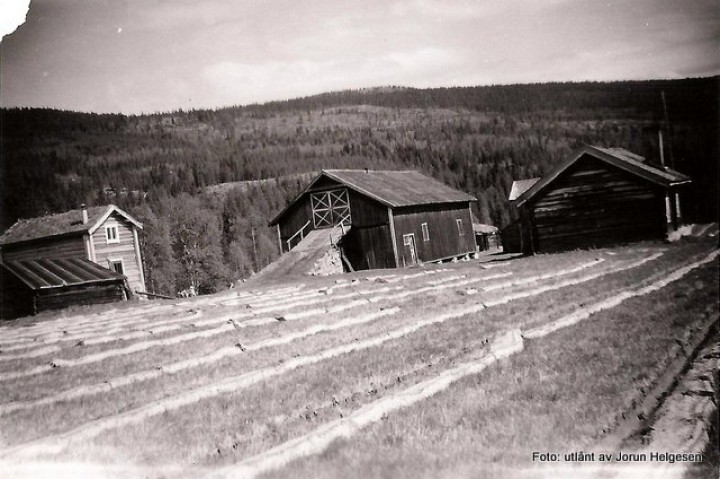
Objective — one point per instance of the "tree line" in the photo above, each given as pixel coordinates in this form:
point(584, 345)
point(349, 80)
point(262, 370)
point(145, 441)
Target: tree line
point(165, 168)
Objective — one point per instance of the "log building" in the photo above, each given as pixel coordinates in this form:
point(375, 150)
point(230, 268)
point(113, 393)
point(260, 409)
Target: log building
point(391, 219)
point(598, 197)
point(90, 255)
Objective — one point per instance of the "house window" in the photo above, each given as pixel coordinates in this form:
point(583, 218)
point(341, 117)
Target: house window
point(117, 266)
point(461, 230)
point(111, 234)
point(425, 232)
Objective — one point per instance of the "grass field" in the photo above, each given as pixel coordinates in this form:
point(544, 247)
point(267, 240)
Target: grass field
point(375, 374)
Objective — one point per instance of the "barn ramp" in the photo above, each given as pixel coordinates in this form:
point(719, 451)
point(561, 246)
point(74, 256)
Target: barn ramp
point(306, 257)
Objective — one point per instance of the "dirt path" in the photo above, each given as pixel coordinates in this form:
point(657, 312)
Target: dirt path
point(680, 436)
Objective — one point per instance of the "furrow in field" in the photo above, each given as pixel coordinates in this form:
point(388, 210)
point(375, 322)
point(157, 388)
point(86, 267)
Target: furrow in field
point(83, 323)
point(55, 327)
point(466, 282)
point(584, 313)
point(570, 282)
point(100, 336)
point(171, 368)
point(302, 314)
point(234, 383)
point(318, 440)
point(82, 329)
point(155, 326)
point(219, 322)
point(222, 328)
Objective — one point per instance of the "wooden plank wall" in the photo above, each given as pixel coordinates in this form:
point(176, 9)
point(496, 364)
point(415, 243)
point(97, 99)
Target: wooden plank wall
point(368, 245)
point(366, 212)
point(51, 248)
point(294, 219)
point(124, 250)
point(595, 204)
point(445, 241)
point(369, 248)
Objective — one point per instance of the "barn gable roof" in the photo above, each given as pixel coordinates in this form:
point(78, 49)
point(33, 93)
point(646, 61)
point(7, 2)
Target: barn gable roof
point(61, 224)
point(618, 157)
point(57, 273)
point(393, 189)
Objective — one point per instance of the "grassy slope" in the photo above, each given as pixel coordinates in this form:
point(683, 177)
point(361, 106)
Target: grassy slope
point(229, 427)
point(557, 395)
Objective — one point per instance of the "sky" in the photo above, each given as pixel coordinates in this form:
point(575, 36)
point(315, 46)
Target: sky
point(144, 56)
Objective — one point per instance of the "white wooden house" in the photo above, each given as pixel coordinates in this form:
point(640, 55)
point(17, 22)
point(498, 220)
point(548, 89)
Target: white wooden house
point(35, 251)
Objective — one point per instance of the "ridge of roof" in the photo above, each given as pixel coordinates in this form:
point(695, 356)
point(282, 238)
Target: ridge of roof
point(391, 188)
point(60, 224)
point(618, 157)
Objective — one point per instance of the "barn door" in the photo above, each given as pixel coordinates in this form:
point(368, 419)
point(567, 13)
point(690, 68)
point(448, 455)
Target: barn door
point(410, 254)
point(330, 208)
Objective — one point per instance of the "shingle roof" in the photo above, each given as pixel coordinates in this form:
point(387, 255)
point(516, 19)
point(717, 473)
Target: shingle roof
point(618, 157)
point(521, 186)
point(69, 222)
point(56, 273)
point(391, 188)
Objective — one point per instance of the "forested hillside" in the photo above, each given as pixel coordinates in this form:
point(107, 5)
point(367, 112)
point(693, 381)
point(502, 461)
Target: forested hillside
point(162, 167)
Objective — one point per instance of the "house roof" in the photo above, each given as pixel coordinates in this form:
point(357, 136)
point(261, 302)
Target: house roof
point(521, 186)
point(67, 223)
point(618, 157)
point(57, 273)
point(390, 188)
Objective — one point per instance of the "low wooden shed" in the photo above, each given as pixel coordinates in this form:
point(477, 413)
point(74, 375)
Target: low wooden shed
point(391, 219)
point(32, 286)
point(598, 197)
point(487, 237)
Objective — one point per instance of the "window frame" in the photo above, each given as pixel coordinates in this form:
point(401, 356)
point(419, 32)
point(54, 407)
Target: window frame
point(116, 236)
point(425, 232)
point(114, 261)
point(459, 223)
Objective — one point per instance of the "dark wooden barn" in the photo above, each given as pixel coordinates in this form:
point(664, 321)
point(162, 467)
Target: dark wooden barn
point(598, 197)
point(391, 219)
point(32, 286)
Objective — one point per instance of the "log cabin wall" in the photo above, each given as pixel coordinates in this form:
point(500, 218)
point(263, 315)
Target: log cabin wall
point(444, 239)
point(57, 247)
point(123, 250)
point(593, 204)
point(82, 295)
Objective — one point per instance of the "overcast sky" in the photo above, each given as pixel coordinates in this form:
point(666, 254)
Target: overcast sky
point(136, 56)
